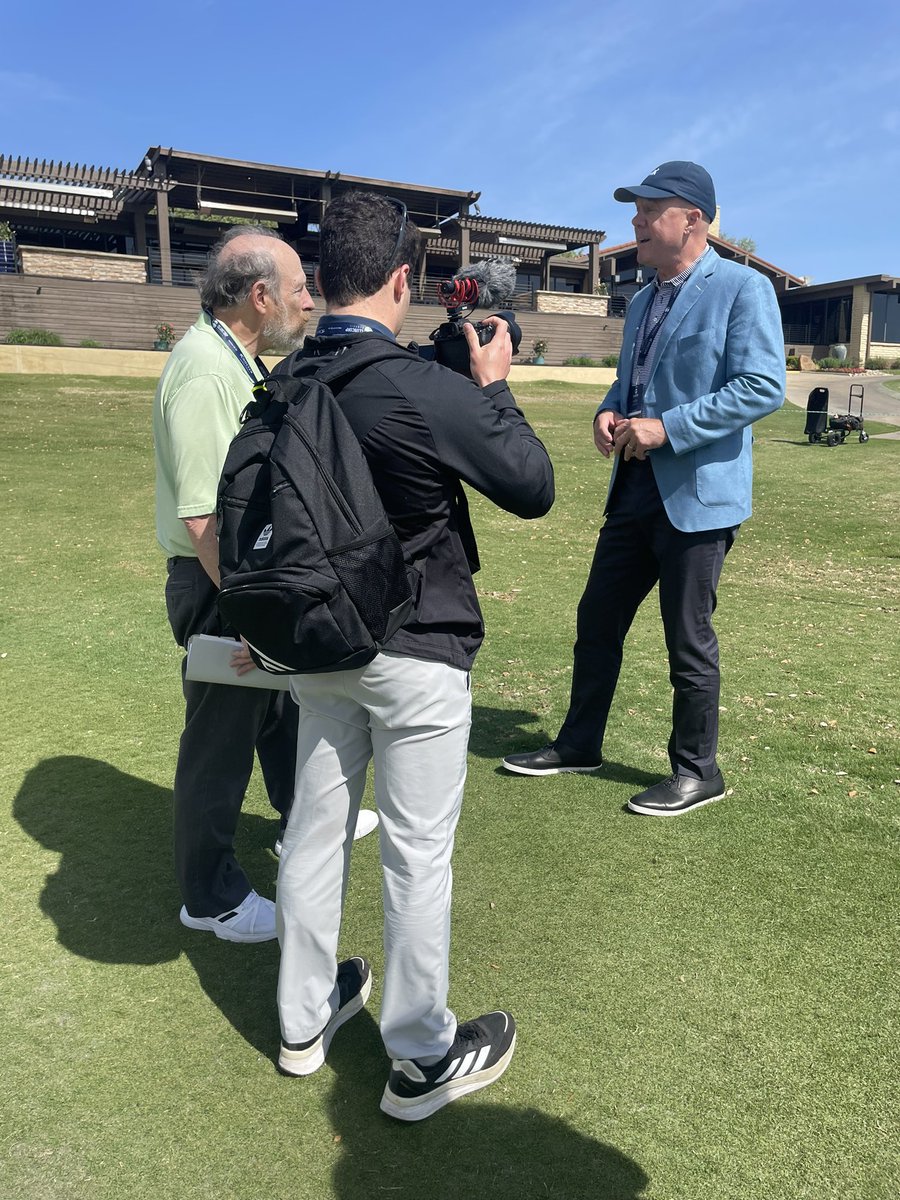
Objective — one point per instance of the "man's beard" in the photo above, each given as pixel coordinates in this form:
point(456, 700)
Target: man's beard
point(280, 335)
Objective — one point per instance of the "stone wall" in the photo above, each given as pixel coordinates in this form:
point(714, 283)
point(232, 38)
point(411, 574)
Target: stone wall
point(888, 350)
point(571, 302)
point(82, 264)
point(125, 315)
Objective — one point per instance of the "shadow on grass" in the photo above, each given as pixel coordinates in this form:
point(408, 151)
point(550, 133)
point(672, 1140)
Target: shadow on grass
point(807, 444)
point(499, 731)
point(113, 897)
point(610, 772)
point(471, 1148)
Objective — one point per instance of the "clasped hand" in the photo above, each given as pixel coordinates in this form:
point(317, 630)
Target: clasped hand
point(632, 437)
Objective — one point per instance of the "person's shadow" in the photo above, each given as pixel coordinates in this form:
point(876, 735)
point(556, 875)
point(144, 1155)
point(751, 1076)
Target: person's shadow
point(113, 897)
point(470, 1148)
point(113, 900)
point(499, 731)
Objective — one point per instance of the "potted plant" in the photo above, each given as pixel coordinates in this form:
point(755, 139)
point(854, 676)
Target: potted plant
point(7, 249)
point(540, 348)
point(165, 336)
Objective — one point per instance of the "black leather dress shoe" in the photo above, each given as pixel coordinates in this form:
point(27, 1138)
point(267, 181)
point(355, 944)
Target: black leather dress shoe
point(677, 794)
point(552, 760)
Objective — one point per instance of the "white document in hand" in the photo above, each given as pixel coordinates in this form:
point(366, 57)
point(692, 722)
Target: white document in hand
point(209, 661)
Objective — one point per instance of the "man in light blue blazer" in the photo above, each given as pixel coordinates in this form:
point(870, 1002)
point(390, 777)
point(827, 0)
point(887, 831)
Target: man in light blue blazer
point(702, 359)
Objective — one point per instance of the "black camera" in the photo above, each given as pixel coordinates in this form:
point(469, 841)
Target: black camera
point(471, 285)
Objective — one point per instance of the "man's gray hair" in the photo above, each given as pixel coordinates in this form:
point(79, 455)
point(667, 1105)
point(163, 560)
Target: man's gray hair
point(230, 277)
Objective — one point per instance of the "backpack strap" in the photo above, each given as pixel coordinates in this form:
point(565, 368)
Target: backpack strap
point(335, 372)
point(354, 358)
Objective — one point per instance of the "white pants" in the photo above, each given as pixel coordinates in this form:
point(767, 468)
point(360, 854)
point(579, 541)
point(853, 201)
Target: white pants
point(413, 718)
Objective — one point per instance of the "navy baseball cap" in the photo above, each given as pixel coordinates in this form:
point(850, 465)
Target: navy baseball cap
point(685, 180)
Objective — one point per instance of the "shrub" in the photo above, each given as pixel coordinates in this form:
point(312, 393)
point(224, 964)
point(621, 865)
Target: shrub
point(895, 365)
point(838, 367)
point(33, 337)
point(165, 332)
point(877, 364)
point(89, 344)
point(580, 360)
point(540, 347)
point(609, 360)
point(6, 233)
point(793, 362)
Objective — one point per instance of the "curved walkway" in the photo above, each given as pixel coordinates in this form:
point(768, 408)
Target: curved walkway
point(879, 402)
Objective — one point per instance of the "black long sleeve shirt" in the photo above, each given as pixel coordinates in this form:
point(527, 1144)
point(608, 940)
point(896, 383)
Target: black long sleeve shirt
point(425, 430)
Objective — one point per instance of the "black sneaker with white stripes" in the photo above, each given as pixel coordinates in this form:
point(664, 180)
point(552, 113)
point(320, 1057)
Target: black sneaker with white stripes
point(354, 981)
point(480, 1053)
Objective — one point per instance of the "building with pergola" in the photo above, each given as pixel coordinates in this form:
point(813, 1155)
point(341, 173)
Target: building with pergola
point(104, 255)
point(141, 240)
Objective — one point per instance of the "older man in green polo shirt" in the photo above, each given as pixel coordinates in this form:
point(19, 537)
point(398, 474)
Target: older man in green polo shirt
point(255, 299)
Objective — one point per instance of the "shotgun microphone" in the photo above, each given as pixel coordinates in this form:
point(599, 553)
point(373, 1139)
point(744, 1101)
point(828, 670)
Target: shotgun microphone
point(485, 283)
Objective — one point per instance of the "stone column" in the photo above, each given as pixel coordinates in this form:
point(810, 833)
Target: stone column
point(545, 270)
point(465, 247)
point(860, 321)
point(165, 245)
point(593, 268)
point(140, 231)
point(140, 236)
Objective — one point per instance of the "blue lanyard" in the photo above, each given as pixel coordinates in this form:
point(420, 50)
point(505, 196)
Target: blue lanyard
point(648, 336)
point(350, 326)
point(231, 342)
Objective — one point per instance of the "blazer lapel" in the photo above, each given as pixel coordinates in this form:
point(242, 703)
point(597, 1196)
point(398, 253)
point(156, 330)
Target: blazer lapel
point(689, 293)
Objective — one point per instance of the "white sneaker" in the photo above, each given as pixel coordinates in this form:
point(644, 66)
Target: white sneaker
point(366, 822)
point(252, 921)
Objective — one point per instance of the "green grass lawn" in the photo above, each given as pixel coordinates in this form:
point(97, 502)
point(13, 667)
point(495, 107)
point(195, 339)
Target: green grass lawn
point(707, 1007)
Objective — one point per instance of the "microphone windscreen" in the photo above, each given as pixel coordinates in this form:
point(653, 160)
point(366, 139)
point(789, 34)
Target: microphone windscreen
point(496, 279)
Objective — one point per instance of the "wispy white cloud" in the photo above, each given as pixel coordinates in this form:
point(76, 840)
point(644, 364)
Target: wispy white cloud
point(23, 87)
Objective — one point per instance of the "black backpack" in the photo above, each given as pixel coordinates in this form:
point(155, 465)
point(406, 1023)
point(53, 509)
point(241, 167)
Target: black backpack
point(312, 572)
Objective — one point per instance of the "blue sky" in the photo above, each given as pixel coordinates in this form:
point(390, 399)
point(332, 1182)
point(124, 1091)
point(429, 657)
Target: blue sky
point(793, 105)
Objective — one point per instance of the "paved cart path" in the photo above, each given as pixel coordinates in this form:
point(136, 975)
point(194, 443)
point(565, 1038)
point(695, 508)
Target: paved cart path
point(879, 402)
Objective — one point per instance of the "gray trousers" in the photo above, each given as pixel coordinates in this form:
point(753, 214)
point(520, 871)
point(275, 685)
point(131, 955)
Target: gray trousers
point(412, 718)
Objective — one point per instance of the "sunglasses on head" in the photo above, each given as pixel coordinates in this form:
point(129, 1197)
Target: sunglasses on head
point(401, 208)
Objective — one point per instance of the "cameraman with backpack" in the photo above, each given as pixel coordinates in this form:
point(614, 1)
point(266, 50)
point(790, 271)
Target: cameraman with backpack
point(424, 430)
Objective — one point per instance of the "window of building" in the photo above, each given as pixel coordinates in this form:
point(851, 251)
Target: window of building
point(527, 280)
point(885, 325)
point(818, 322)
